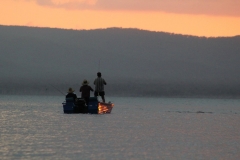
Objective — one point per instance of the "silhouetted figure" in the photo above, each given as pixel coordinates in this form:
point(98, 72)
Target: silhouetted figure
point(71, 94)
point(85, 89)
point(99, 86)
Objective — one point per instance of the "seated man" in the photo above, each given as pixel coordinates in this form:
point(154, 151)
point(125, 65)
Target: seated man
point(71, 94)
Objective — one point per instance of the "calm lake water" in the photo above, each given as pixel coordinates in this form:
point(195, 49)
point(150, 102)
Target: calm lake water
point(34, 127)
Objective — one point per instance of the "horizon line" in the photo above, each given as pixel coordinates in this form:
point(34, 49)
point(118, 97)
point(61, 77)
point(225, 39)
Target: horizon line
point(74, 29)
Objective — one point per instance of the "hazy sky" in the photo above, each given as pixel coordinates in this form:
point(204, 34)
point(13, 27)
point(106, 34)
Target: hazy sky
point(194, 17)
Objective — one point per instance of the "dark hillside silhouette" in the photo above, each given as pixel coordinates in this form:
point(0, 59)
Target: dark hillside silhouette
point(133, 62)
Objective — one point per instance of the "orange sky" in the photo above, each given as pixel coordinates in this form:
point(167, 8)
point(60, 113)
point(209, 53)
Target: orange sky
point(205, 19)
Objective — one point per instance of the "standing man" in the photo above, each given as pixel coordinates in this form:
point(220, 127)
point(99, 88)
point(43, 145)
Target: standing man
point(99, 86)
point(85, 89)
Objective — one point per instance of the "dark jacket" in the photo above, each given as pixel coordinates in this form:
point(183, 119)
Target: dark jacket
point(85, 89)
point(73, 95)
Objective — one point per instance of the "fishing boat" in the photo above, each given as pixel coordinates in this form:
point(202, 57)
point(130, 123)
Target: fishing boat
point(94, 106)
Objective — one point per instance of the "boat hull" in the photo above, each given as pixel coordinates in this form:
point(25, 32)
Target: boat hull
point(94, 107)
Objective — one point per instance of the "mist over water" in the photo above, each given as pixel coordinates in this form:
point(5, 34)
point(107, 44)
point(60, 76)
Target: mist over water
point(133, 62)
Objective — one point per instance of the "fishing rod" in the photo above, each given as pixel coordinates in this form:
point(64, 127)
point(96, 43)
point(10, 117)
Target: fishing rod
point(99, 66)
point(57, 89)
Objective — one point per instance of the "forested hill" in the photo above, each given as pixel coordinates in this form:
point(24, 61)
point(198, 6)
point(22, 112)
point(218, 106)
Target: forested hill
point(133, 62)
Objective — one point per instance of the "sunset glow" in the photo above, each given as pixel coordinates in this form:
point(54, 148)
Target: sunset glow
point(205, 20)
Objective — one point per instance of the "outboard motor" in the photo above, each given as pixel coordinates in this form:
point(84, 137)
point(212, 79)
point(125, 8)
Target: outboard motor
point(81, 106)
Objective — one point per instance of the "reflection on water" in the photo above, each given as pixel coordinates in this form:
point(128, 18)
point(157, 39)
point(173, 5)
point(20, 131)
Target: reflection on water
point(34, 127)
